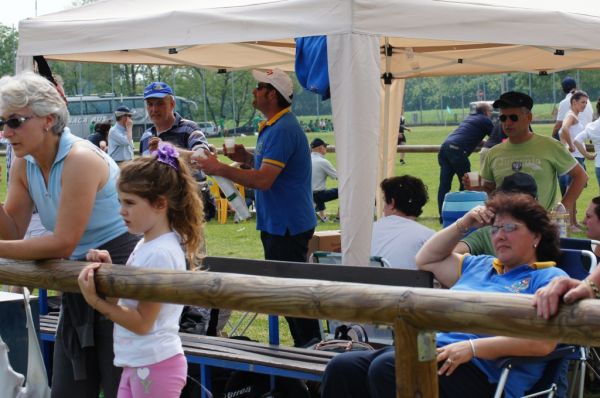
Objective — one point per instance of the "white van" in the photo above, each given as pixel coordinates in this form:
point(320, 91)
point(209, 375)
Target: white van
point(209, 129)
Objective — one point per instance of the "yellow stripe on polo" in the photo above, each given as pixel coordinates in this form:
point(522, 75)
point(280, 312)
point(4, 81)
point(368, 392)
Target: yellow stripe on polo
point(272, 120)
point(499, 267)
point(274, 162)
point(460, 263)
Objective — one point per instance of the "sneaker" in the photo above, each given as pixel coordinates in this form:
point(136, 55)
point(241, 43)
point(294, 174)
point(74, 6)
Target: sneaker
point(323, 219)
point(402, 161)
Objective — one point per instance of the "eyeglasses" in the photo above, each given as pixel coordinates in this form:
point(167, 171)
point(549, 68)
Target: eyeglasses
point(260, 86)
point(14, 122)
point(512, 117)
point(506, 227)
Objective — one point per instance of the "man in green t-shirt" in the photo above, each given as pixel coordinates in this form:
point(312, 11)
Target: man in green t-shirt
point(542, 157)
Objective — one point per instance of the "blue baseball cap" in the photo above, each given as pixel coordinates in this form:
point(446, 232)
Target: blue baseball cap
point(157, 90)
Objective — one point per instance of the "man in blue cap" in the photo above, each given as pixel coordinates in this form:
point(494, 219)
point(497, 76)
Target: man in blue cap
point(120, 136)
point(170, 127)
point(569, 86)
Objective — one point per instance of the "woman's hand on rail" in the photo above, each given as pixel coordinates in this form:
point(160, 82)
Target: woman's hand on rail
point(546, 299)
point(98, 256)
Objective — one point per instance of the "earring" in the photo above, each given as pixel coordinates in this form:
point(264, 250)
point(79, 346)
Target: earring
point(535, 245)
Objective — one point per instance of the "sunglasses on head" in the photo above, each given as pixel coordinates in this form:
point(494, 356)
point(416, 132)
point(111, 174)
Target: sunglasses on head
point(512, 117)
point(507, 227)
point(14, 122)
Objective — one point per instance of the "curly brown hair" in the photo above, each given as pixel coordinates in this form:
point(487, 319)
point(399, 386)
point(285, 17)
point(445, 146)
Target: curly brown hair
point(150, 179)
point(526, 209)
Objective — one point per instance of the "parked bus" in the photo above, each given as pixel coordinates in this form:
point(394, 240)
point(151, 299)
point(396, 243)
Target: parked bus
point(84, 110)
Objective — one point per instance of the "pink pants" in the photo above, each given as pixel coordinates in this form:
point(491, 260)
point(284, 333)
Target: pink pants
point(164, 379)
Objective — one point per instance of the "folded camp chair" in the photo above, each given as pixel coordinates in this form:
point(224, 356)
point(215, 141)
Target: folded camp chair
point(381, 334)
point(334, 258)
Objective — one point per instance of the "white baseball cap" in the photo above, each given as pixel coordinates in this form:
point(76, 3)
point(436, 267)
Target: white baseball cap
point(278, 79)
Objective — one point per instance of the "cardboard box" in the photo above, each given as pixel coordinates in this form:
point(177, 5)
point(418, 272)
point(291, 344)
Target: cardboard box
point(329, 241)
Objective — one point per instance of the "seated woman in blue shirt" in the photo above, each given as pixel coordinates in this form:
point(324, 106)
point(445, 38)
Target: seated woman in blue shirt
point(527, 248)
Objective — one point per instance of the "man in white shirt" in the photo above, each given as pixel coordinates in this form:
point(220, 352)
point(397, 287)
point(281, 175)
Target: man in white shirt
point(569, 85)
point(321, 169)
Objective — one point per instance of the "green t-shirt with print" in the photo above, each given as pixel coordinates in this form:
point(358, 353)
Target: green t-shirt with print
point(480, 241)
point(544, 158)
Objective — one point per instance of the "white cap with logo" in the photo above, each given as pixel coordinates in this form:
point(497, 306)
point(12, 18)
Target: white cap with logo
point(278, 79)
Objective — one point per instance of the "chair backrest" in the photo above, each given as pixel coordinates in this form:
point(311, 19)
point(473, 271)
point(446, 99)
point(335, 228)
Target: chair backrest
point(577, 263)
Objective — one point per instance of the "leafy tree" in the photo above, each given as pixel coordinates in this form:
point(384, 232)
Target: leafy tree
point(8, 49)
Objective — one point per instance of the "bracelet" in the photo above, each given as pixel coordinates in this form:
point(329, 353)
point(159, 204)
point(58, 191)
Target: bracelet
point(472, 348)
point(594, 288)
point(461, 229)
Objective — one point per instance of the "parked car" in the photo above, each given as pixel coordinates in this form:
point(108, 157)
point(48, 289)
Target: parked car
point(210, 129)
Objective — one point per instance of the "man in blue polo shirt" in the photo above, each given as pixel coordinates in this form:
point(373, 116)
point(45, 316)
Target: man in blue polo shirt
point(280, 172)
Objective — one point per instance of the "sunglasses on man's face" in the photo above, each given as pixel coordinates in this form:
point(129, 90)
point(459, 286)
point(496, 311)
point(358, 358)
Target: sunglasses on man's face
point(512, 117)
point(14, 122)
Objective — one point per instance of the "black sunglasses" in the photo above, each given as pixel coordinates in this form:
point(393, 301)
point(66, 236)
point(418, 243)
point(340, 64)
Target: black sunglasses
point(512, 117)
point(14, 122)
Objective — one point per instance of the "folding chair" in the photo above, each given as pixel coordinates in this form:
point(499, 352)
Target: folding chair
point(547, 384)
point(578, 244)
point(578, 264)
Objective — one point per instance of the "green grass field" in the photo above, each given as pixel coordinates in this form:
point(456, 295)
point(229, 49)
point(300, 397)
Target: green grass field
point(242, 239)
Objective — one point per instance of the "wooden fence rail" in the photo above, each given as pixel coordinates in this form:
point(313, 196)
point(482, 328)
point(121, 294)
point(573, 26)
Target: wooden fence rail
point(412, 311)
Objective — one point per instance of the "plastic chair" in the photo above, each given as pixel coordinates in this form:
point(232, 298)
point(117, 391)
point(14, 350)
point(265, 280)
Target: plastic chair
point(221, 202)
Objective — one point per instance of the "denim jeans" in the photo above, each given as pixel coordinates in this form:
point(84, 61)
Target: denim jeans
point(452, 161)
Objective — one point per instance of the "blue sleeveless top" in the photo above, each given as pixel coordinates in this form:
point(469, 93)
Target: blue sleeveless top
point(104, 224)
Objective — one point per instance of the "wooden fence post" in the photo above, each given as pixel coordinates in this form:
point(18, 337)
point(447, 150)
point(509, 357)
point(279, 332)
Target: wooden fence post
point(416, 367)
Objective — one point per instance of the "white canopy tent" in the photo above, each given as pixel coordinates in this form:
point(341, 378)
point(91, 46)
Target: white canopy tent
point(427, 38)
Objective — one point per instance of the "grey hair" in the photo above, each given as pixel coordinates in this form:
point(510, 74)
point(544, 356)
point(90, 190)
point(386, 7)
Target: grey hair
point(29, 90)
point(483, 107)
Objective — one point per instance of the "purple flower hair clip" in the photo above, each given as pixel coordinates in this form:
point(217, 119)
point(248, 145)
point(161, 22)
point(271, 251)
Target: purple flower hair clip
point(167, 154)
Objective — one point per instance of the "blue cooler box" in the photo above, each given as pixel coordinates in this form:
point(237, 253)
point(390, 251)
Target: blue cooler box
point(456, 204)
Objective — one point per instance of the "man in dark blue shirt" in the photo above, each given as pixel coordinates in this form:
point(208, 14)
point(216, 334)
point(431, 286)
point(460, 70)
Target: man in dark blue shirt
point(454, 152)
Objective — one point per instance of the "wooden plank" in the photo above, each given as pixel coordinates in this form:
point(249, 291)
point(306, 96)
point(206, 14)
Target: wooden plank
point(327, 272)
point(186, 337)
point(265, 350)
